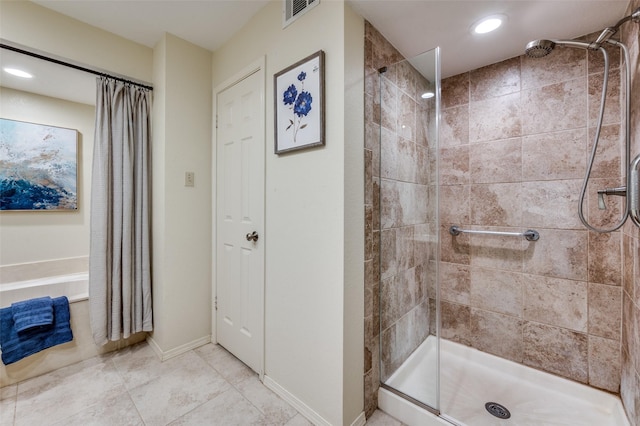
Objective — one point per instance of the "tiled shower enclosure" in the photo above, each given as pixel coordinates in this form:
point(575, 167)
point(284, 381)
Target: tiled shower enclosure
point(514, 142)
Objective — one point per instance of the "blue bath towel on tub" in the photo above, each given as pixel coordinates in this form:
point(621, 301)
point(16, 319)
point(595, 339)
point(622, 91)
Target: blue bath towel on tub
point(32, 313)
point(16, 346)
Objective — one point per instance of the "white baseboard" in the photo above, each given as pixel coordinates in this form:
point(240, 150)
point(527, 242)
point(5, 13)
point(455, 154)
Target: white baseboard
point(302, 408)
point(360, 420)
point(165, 355)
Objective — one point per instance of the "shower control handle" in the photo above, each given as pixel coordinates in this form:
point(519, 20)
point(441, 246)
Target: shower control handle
point(253, 236)
point(620, 191)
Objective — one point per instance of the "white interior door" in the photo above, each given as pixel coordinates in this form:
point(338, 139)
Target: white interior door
point(240, 178)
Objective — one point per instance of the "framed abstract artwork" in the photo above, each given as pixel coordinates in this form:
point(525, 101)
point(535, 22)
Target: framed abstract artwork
point(38, 166)
point(299, 104)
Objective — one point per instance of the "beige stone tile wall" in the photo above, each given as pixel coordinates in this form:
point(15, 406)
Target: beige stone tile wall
point(630, 383)
point(515, 142)
point(407, 215)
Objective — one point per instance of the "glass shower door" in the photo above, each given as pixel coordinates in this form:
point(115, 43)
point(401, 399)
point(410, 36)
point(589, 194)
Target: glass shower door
point(409, 345)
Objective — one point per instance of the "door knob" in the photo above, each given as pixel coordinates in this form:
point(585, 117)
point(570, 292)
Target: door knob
point(252, 236)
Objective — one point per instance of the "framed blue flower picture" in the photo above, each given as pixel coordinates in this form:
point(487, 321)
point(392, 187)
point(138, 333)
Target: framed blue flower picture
point(299, 104)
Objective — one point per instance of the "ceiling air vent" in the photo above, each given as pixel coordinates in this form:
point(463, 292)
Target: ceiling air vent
point(293, 9)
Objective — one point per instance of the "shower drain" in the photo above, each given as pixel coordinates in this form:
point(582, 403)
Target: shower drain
point(497, 410)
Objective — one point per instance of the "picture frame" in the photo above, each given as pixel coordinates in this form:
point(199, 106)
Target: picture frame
point(39, 167)
point(299, 105)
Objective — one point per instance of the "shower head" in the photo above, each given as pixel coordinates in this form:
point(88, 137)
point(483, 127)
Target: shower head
point(541, 48)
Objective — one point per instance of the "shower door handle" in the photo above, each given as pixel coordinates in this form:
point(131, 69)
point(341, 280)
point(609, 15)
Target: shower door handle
point(253, 236)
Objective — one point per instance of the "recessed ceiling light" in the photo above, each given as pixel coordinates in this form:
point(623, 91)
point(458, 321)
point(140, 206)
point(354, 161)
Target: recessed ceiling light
point(17, 72)
point(427, 95)
point(488, 24)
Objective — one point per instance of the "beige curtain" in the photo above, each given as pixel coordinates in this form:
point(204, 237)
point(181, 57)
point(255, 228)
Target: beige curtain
point(119, 257)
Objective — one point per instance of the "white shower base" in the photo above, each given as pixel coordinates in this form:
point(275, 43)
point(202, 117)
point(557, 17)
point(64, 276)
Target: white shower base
point(470, 378)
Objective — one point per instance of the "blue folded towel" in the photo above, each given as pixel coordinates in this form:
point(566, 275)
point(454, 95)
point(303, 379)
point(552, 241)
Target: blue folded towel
point(16, 346)
point(32, 313)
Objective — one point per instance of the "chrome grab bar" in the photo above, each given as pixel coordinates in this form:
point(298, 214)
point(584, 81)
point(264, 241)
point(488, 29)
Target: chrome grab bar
point(529, 234)
point(634, 190)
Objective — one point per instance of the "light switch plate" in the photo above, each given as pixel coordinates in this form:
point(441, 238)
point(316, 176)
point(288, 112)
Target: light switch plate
point(189, 178)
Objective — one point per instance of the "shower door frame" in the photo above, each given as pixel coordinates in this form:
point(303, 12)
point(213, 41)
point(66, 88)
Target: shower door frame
point(436, 124)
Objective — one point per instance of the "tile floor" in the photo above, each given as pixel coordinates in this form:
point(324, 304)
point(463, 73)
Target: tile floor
point(205, 386)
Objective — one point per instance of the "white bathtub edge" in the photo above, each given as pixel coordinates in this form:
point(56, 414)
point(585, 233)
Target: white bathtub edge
point(75, 286)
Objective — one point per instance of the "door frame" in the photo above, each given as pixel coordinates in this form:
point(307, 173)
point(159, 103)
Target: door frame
point(258, 66)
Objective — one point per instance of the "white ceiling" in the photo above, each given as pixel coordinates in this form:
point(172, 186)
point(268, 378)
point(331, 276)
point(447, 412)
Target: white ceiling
point(206, 23)
point(412, 26)
point(415, 26)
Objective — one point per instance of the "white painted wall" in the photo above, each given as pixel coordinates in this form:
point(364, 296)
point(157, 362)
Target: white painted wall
point(45, 235)
point(314, 209)
point(181, 215)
